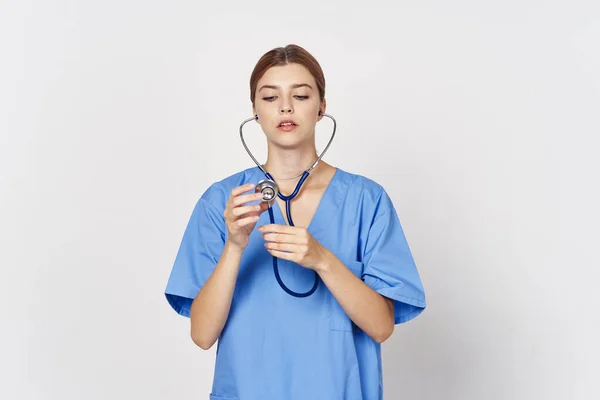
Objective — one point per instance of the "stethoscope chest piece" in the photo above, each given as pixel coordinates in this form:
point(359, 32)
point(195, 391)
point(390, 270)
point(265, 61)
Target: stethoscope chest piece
point(268, 188)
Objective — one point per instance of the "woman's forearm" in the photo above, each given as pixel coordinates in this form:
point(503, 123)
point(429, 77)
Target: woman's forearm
point(210, 308)
point(369, 310)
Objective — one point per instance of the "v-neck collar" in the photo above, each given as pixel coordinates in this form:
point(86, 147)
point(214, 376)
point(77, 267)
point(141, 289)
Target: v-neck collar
point(328, 206)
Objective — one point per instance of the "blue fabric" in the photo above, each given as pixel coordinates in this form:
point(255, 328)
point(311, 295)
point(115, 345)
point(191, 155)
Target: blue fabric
point(276, 346)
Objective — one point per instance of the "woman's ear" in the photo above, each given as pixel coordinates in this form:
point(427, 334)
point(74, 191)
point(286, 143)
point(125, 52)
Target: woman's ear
point(322, 108)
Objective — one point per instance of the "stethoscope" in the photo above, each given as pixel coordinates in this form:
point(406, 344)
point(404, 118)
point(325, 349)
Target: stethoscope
point(269, 189)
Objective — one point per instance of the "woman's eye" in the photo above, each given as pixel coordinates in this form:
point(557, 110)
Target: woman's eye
point(272, 98)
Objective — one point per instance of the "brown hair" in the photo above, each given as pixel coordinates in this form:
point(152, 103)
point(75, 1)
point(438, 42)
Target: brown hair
point(287, 55)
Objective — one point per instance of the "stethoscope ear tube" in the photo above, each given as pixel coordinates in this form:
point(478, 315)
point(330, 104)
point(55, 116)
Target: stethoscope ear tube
point(254, 118)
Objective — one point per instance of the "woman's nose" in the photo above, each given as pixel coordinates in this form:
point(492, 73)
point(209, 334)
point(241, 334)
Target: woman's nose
point(285, 108)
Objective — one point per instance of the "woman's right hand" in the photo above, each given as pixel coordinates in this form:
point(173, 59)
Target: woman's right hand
point(241, 218)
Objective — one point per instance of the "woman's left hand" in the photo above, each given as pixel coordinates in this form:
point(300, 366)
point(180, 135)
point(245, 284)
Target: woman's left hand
point(294, 244)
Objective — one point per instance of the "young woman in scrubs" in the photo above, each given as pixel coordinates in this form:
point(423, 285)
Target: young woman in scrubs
point(272, 345)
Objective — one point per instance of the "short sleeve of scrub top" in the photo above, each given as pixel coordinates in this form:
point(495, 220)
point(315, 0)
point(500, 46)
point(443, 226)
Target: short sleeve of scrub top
point(388, 265)
point(201, 246)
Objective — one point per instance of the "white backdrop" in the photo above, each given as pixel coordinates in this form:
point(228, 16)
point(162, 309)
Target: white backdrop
point(480, 119)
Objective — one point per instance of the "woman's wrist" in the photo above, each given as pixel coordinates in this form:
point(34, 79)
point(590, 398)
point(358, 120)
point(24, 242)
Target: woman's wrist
point(232, 247)
point(325, 262)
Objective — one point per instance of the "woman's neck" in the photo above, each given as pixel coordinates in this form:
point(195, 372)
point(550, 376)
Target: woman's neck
point(285, 164)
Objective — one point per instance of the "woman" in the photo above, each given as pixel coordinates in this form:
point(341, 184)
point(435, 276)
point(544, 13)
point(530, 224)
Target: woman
point(273, 345)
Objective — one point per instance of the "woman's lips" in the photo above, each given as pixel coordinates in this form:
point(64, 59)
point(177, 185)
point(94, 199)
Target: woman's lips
point(286, 128)
point(286, 125)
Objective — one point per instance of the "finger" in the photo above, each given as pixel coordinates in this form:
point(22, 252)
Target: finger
point(238, 211)
point(262, 209)
point(289, 247)
point(277, 228)
point(246, 198)
point(245, 221)
point(241, 189)
point(282, 254)
point(249, 211)
point(283, 238)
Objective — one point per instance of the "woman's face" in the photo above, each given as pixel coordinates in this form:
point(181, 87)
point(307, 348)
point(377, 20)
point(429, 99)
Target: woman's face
point(288, 92)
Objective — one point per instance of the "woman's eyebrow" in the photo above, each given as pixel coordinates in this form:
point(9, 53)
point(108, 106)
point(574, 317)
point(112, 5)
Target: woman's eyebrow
point(294, 86)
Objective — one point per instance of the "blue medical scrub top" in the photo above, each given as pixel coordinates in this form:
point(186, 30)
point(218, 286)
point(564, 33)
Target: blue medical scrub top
point(276, 346)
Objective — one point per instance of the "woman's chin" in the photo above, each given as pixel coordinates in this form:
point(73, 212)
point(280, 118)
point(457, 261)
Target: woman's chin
point(287, 143)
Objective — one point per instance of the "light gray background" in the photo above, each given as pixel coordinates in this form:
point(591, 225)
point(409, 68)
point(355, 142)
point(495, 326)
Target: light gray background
point(481, 119)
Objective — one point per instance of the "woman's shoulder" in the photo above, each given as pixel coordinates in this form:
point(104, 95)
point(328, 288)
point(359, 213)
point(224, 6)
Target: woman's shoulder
point(367, 193)
point(361, 184)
